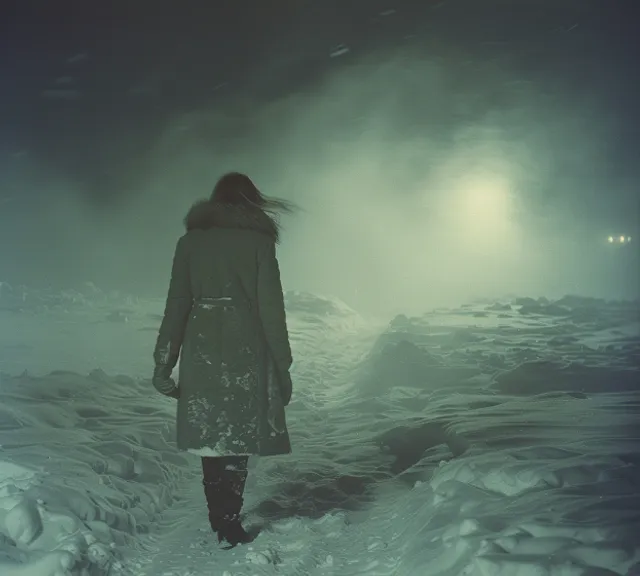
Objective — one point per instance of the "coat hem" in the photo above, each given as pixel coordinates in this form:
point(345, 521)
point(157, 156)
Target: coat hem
point(211, 453)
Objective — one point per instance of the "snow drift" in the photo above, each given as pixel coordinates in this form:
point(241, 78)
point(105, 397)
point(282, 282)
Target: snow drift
point(497, 439)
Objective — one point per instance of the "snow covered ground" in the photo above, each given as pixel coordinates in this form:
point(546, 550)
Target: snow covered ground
point(498, 439)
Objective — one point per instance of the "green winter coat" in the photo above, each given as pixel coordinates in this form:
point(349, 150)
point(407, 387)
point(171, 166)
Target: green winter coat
point(225, 319)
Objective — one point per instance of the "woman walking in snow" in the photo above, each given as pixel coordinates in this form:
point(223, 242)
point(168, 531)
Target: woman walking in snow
point(225, 319)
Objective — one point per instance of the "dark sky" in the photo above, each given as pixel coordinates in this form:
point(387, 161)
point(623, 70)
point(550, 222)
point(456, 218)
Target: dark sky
point(92, 90)
point(143, 61)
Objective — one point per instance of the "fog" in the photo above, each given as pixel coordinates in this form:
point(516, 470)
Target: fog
point(421, 182)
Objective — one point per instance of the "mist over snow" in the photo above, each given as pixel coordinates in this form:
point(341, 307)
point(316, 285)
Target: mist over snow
point(497, 438)
point(462, 284)
point(423, 181)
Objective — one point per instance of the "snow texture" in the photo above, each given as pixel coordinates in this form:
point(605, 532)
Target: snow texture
point(497, 439)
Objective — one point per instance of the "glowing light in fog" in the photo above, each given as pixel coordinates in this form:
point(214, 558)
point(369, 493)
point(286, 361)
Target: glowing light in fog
point(619, 239)
point(482, 206)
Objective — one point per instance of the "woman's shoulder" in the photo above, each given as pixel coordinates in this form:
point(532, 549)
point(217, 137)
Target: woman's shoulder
point(206, 215)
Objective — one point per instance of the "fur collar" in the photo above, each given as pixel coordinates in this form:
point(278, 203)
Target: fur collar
point(206, 214)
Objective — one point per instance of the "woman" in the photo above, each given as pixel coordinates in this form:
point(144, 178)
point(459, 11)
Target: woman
point(225, 319)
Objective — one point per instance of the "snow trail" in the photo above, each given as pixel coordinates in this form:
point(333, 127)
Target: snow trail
point(498, 439)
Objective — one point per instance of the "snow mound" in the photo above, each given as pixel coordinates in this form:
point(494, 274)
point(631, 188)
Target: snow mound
point(26, 299)
point(405, 364)
point(580, 309)
point(541, 376)
point(472, 442)
point(315, 306)
point(86, 464)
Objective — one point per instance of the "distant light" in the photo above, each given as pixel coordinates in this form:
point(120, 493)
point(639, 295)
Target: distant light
point(481, 206)
point(610, 238)
point(622, 239)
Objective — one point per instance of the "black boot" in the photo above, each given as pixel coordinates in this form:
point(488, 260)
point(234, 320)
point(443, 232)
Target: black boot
point(224, 483)
point(213, 494)
point(234, 478)
point(231, 529)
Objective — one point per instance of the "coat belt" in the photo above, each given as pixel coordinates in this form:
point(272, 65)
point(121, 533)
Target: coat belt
point(220, 302)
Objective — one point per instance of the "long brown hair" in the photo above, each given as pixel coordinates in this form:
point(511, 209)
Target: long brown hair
point(238, 189)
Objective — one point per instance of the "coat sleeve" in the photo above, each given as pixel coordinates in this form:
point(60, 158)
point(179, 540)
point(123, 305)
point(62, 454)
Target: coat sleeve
point(271, 308)
point(176, 311)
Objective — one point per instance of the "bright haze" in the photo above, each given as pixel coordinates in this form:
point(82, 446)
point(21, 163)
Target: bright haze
point(438, 151)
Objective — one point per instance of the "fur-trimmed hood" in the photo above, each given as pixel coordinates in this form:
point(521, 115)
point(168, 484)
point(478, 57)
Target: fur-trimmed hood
point(206, 214)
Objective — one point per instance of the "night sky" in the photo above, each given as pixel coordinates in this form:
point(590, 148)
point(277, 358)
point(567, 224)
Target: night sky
point(89, 87)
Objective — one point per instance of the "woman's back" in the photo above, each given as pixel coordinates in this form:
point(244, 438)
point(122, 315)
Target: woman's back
point(224, 245)
point(225, 319)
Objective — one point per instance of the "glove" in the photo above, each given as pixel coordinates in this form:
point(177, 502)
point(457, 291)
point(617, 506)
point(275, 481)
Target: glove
point(163, 382)
point(276, 404)
point(286, 387)
point(175, 393)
